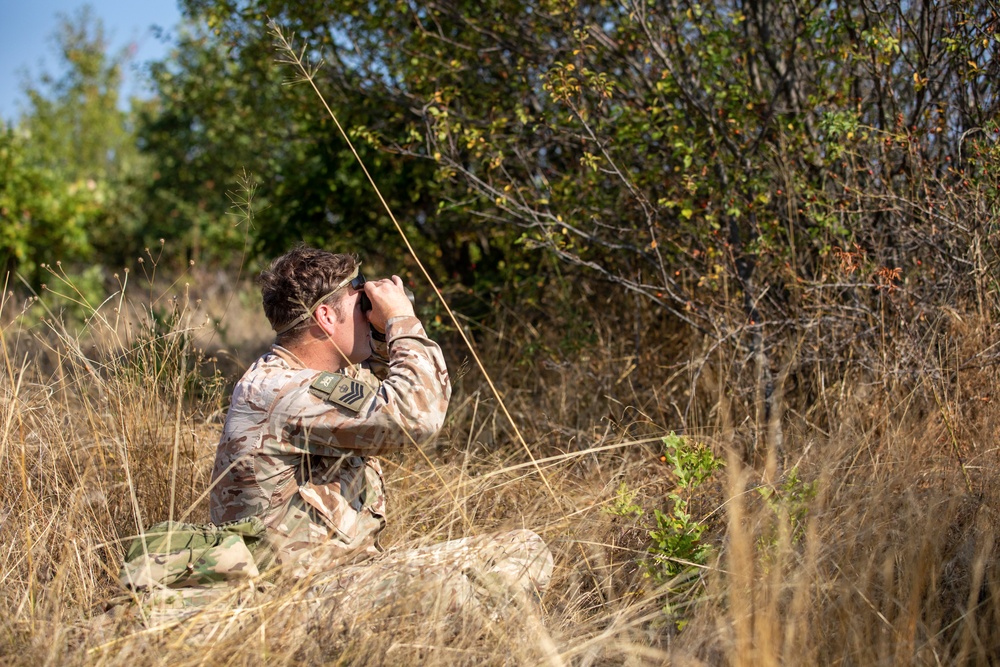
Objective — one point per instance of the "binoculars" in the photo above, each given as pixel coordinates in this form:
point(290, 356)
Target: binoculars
point(366, 304)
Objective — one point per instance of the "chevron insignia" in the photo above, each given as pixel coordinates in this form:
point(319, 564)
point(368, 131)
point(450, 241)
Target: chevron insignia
point(350, 394)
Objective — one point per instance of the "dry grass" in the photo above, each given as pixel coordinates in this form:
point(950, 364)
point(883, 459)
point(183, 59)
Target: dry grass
point(106, 430)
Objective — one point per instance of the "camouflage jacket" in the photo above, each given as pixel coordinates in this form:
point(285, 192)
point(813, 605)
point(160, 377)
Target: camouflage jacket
point(297, 444)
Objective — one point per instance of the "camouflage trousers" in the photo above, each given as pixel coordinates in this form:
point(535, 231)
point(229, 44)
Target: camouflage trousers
point(487, 573)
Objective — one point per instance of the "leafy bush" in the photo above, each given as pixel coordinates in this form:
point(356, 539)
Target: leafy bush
point(69, 165)
point(789, 501)
point(676, 550)
point(676, 541)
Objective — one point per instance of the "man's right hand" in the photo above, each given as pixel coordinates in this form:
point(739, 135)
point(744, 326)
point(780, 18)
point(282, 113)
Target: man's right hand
point(388, 301)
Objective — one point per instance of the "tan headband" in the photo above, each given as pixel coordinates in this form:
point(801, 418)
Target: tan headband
point(306, 315)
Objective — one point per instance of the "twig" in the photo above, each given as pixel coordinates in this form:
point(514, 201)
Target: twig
point(296, 59)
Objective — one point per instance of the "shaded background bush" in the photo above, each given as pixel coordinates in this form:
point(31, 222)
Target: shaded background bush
point(780, 180)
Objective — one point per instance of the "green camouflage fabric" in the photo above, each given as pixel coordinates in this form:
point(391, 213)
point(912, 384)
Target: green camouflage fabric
point(175, 555)
point(296, 450)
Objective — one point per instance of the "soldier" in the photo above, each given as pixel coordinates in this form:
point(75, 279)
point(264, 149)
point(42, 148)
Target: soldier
point(352, 374)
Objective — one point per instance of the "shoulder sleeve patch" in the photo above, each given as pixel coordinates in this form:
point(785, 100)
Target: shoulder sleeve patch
point(324, 385)
point(351, 394)
point(341, 390)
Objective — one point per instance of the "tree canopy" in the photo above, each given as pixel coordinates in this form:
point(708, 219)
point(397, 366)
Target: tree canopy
point(805, 157)
point(749, 168)
point(70, 163)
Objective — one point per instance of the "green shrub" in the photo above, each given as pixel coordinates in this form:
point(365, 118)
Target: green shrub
point(676, 546)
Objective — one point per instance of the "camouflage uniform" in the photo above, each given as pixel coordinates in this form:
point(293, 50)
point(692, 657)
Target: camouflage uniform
point(486, 573)
point(474, 579)
point(296, 452)
point(297, 444)
point(295, 484)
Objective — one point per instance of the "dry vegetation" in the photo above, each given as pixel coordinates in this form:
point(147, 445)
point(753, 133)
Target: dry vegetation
point(109, 427)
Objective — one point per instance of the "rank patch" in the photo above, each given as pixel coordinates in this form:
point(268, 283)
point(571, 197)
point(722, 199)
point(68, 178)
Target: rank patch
point(350, 394)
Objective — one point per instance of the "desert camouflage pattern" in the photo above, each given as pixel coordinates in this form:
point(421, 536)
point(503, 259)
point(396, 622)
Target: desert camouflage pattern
point(486, 573)
point(297, 444)
point(486, 577)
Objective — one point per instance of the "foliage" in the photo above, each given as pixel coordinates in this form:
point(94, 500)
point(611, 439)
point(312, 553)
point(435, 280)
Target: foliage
point(789, 501)
point(676, 541)
point(70, 163)
point(624, 504)
point(715, 160)
point(692, 464)
point(224, 109)
point(42, 216)
point(74, 121)
point(677, 545)
point(676, 549)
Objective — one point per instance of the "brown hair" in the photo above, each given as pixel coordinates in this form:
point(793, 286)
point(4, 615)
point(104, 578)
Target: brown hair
point(295, 280)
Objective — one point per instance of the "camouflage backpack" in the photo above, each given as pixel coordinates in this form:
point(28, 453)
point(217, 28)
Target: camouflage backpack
point(175, 555)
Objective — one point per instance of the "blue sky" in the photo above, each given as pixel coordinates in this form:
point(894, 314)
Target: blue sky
point(26, 28)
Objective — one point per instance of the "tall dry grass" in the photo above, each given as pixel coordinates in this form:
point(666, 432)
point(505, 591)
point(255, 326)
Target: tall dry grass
point(109, 426)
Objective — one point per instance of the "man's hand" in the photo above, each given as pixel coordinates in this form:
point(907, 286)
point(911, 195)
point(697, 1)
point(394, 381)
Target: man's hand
point(388, 301)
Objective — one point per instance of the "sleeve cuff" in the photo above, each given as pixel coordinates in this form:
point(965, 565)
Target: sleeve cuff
point(402, 327)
